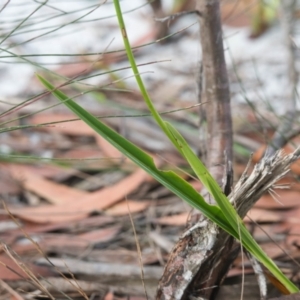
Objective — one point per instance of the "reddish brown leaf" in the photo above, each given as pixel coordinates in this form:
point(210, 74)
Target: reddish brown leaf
point(53, 242)
point(175, 220)
point(7, 274)
point(238, 13)
point(292, 216)
point(8, 184)
point(72, 70)
point(273, 249)
point(47, 171)
point(34, 228)
point(121, 209)
point(109, 296)
point(284, 199)
point(80, 208)
point(75, 128)
point(54, 192)
point(262, 215)
point(196, 184)
point(100, 235)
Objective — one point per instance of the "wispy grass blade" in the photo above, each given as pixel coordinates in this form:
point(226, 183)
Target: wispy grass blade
point(138, 77)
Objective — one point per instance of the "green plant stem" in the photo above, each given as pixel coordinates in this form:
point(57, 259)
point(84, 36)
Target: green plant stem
point(137, 75)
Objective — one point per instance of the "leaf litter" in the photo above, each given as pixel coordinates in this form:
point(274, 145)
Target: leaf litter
point(86, 231)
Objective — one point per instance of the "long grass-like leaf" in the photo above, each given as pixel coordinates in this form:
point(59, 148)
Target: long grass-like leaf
point(172, 181)
point(202, 173)
point(169, 179)
point(230, 213)
point(224, 215)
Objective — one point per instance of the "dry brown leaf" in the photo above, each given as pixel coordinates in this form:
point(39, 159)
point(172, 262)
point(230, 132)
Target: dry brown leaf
point(121, 209)
point(100, 235)
point(47, 171)
point(6, 274)
point(53, 192)
point(197, 185)
point(273, 250)
point(109, 296)
point(123, 256)
point(137, 298)
point(8, 184)
point(75, 128)
point(80, 208)
point(262, 215)
point(238, 13)
point(292, 217)
point(73, 70)
point(34, 228)
point(176, 220)
point(292, 237)
point(284, 199)
point(53, 242)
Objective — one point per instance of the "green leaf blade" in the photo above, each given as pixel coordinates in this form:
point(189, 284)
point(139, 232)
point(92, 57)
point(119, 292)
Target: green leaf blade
point(168, 178)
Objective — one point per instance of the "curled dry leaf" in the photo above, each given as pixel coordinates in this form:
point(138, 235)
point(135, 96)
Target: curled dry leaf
point(53, 192)
point(79, 208)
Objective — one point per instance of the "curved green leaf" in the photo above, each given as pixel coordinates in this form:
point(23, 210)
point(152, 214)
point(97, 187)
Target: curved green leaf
point(169, 179)
point(238, 229)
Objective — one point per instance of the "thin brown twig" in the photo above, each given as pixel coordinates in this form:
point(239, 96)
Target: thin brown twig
point(16, 295)
point(27, 271)
point(138, 250)
point(74, 283)
point(37, 246)
point(6, 129)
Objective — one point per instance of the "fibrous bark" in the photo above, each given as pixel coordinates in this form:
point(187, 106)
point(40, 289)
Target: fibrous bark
point(215, 89)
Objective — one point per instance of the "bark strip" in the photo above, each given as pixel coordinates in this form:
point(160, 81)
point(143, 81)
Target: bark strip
point(215, 88)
